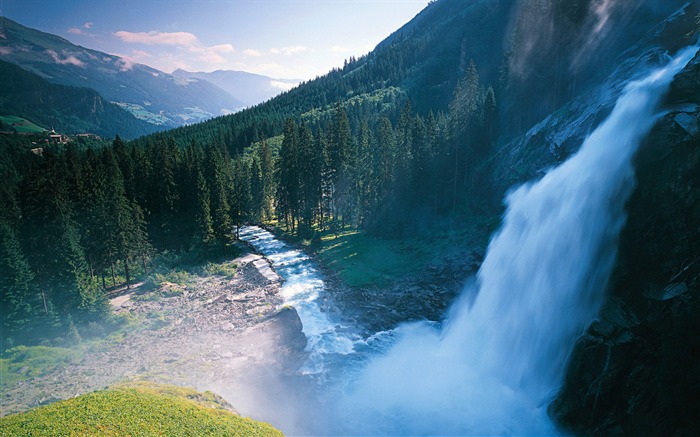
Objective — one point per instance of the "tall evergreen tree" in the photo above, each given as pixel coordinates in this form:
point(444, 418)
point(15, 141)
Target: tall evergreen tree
point(288, 176)
point(264, 158)
point(338, 155)
point(20, 305)
point(217, 176)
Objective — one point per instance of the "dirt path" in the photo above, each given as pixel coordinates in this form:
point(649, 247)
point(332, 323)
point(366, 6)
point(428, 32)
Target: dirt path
point(212, 336)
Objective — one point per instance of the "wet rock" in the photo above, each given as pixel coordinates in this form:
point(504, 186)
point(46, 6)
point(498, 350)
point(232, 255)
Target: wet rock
point(686, 85)
point(637, 369)
point(287, 327)
point(688, 122)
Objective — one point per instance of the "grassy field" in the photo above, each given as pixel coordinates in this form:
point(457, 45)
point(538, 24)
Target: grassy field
point(21, 125)
point(136, 409)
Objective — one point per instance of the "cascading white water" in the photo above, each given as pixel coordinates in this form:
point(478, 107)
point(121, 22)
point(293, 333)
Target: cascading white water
point(500, 358)
point(301, 289)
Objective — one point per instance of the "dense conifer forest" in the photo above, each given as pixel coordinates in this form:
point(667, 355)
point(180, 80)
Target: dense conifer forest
point(77, 221)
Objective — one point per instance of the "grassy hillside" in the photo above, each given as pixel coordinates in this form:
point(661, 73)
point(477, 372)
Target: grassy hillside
point(67, 109)
point(142, 409)
point(19, 125)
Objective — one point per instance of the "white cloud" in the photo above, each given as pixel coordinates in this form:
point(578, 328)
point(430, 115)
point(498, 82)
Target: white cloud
point(88, 25)
point(252, 53)
point(141, 54)
point(124, 63)
point(212, 58)
point(282, 85)
point(289, 51)
point(185, 41)
point(212, 54)
point(154, 38)
point(75, 31)
point(68, 60)
point(222, 48)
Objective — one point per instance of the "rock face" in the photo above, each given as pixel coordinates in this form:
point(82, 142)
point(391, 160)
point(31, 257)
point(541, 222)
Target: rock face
point(637, 369)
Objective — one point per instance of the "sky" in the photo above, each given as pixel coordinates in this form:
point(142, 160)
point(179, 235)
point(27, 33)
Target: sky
point(286, 39)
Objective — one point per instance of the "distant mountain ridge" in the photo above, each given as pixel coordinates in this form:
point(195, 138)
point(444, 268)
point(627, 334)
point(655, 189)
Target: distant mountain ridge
point(147, 93)
point(248, 87)
point(69, 109)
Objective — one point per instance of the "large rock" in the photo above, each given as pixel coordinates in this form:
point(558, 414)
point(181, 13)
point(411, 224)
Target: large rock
point(285, 326)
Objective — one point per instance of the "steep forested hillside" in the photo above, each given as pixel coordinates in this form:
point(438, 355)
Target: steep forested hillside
point(67, 109)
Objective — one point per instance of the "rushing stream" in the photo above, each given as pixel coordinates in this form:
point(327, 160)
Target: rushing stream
point(498, 359)
point(302, 288)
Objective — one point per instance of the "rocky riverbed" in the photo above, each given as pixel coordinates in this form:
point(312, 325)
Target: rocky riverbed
point(216, 334)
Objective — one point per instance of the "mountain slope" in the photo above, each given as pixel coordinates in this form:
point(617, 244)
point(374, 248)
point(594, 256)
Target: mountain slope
point(422, 67)
point(150, 94)
point(68, 109)
point(423, 61)
point(250, 88)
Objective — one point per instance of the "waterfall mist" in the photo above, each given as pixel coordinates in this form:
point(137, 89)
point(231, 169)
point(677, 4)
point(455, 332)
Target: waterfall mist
point(499, 357)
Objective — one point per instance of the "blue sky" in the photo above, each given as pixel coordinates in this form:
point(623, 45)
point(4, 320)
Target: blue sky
point(293, 39)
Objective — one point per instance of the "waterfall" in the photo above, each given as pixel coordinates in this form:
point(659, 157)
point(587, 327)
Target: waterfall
point(500, 355)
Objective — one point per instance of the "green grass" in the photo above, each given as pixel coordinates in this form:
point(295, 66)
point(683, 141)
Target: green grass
point(23, 362)
point(362, 260)
point(21, 125)
point(226, 269)
point(136, 409)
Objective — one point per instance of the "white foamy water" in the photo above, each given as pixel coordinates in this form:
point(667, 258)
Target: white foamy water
point(302, 287)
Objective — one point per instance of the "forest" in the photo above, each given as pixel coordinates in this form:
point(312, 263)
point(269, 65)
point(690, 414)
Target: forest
point(79, 220)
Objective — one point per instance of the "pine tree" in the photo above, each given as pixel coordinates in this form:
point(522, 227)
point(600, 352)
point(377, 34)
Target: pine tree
point(490, 121)
point(205, 228)
point(266, 179)
point(20, 305)
point(217, 177)
point(288, 176)
point(338, 152)
point(309, 164)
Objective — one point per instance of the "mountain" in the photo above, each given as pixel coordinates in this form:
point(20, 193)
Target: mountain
point(68, 109)
point(149, 94)
point(250, 88)
point(423, 137)
point(556, 68)
point(421, 65)
point(423, 61)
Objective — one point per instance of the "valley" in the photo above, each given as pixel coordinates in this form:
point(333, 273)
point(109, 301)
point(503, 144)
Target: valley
point(485, 224)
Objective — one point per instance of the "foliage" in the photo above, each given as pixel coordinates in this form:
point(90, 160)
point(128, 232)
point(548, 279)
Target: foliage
point(227, 269)
point(360, 259)
point(135, 409)
point(22, 362)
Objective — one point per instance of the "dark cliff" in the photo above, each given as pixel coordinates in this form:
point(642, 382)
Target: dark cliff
point(636, 370)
